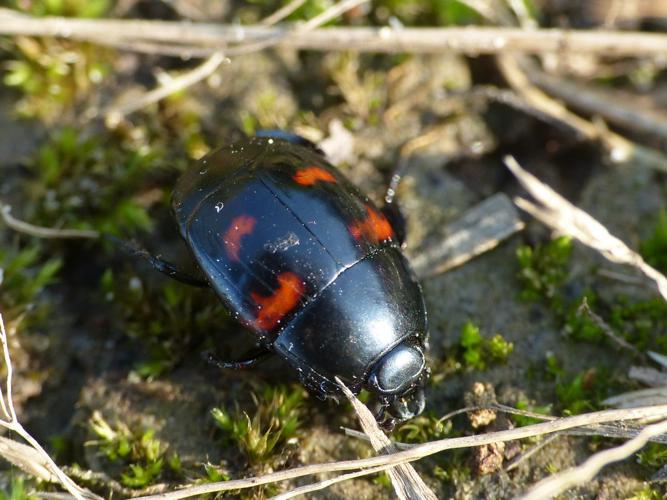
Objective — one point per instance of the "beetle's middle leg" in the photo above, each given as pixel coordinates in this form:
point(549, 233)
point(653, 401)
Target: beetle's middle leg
point(157, 263)
point(249, 359)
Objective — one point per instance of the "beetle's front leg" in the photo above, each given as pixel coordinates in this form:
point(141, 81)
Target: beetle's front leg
point(248, 360)
point(157, 263)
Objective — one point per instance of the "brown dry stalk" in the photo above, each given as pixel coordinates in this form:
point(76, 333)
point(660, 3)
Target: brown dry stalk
point(561, 215)
point(423, 450)
point(116, 113)
point(407, 483)
point(41, 231)
point(213, 37)
point(37, 461)
point(557, 483)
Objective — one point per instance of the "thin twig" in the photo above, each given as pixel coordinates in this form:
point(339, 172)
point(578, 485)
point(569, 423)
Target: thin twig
point(517, 70)
point(617, 108)
point(14, 425)
point(116, 113)
point(530, 452)
point(282, 13)
point(472, 40)
point(558, 483)
point(585, 309)
point(559, 214)
point(426, 449)
point(309, 488)
point(407, 483)
point(40, 231)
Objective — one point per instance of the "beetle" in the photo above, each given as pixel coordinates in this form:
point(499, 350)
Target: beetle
point(310, 265)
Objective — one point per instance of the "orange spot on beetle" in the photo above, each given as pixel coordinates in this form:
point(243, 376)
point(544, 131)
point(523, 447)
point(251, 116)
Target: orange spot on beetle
point(240, 227)
point(375, 227)
point(273, 308)
point(310, 175)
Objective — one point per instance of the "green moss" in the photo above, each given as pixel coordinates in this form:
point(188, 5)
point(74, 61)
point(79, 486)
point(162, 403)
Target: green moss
point(543, 270)
point(425, 427)
point(274, 423)
point(140, 454)
point(64, 8)
point(166, 317)
point(648, 492)
point(24, 273)
point(577, 392)
point(523, 420)
point(654, 248)
point(52, 74)
point(653, 455)
point(17, 490)
point(585, 391)
point(472, 352)
point(579, 325)
point(477, 352)
point(89, 183)
point(642, 323)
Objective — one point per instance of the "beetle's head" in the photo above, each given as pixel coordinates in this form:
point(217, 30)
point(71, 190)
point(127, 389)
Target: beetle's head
point(398, 380)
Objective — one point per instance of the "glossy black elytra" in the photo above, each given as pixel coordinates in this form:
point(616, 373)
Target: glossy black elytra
point(307, 262)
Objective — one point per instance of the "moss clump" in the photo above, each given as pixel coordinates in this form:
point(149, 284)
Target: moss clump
point(23, 275)
point(17, 490)
point(140, 456)
point(654, 248)
point(543, 270)
point(274, 424)
point(523, 420)
point(579, 325)
point(166, 317)
point(52, 74)
point(642, 323)
point(477, 352)
point(424, 428)
point(90, 183)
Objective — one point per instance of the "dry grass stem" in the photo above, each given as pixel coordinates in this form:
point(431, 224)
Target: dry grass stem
point(213, 37)
point(11, 423)
point(530, 452)
point(560, 482)
point(641, 397)
point(309, 488)
point(116, 113)
point(407, 483)
point(620, 109)
point(40, 231)
point(619, 149)
point(585, 310)
point(559, 214)
point(282, 13)
point(424, 450)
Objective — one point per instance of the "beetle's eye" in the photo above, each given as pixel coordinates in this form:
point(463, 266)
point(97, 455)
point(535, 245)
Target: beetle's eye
point(397, 370)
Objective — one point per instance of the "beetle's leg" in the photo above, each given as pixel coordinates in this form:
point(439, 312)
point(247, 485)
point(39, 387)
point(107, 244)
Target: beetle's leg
point(391, 209)
point(157, 263)
point(250, 359)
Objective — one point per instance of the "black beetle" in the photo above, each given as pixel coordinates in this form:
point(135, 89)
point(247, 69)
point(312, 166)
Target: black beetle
point(307, 262)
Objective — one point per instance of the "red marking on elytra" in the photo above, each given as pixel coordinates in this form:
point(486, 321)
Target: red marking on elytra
point(375, 227)
point(240, 227)
point(272, 309)
point(310, 175)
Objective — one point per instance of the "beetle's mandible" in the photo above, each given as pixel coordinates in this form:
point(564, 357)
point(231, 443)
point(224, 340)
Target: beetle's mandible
point(308, 263)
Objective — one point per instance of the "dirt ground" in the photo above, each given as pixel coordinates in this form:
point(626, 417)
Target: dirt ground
point(106, 336)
